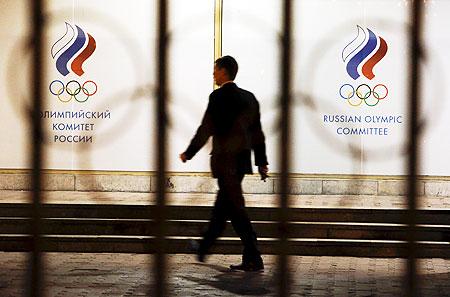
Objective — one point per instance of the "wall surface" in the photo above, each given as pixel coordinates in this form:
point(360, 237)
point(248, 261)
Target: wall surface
point(144, 182)
point(350, 83)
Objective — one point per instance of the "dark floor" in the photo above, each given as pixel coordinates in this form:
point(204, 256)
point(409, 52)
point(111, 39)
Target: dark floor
point(70, 274)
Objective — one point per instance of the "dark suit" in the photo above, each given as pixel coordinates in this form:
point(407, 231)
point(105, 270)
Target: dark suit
point(232, 118)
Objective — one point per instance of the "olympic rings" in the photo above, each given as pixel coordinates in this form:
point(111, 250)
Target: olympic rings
point(60, 90)
point(363, 93)
point(93, 93)
point(381, 85)
point(63, 100)
point(87, 96)
point(73, 89)
point(77, 90)
point(367, 95)
point(349, 96)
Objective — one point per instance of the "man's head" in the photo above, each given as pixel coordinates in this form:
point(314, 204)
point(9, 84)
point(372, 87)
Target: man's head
point(225, 69)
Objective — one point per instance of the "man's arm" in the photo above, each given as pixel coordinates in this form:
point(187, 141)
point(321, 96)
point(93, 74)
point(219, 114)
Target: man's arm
point(259, 145)
point(258, 140)
point(201, 136)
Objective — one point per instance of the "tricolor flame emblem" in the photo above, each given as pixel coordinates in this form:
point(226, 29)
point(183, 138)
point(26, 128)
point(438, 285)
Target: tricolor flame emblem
point(363, 53)
point(74, 43)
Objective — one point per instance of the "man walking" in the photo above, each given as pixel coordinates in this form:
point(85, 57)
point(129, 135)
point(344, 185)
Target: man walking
point(232, 118)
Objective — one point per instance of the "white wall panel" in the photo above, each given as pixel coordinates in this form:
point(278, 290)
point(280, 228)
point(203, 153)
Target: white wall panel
point(123, 67)
point(251, 31)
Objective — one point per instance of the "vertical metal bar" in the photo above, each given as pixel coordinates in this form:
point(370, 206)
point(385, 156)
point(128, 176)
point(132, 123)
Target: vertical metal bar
point(218, 18)
point(284, 148)
point(160, 214)
point(413, 149)
point(36, 266)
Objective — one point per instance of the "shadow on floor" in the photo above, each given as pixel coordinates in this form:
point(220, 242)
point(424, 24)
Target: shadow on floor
point(236, 282)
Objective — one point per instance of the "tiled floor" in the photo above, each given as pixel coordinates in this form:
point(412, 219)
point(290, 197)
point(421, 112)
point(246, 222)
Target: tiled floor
point(114, 275)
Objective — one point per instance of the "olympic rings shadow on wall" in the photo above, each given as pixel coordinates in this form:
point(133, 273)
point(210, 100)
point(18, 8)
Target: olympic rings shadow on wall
point(72, 89)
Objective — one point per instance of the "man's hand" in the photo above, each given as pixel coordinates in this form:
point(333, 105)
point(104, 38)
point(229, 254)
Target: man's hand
point(263, 170)
point(183, 157)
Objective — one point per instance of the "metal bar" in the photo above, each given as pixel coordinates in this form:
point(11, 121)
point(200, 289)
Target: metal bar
point(218, 21)
point(218, 17)
point(285, 83)
point(160, 214)
point(414, 130)
point(35, 285)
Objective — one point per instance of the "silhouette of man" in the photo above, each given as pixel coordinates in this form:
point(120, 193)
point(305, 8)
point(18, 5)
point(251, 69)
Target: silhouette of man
point(232, 118)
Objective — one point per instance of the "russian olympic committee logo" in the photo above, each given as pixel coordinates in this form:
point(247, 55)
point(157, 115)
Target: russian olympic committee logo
point(76, 46)
point(361, 55)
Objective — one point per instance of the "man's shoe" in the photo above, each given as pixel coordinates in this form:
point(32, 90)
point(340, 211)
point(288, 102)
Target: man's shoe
point(249, 266)
point(194, 246)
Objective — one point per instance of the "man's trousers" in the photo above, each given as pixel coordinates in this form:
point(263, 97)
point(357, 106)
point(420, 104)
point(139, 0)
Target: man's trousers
point(230, 205)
